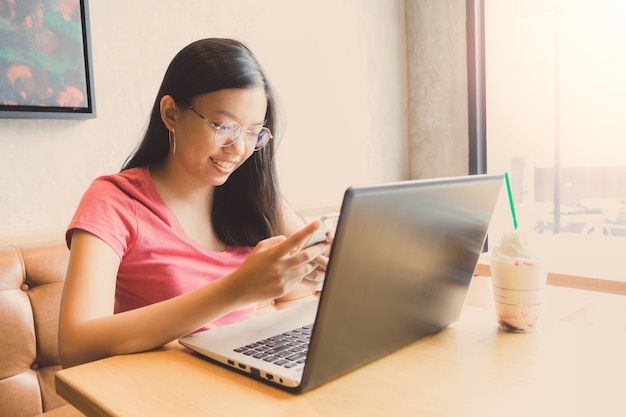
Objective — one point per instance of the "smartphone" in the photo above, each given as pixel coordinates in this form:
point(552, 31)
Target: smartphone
point(329, 222)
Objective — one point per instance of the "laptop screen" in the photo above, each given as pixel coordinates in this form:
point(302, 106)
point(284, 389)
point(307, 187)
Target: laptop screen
point(400, 267)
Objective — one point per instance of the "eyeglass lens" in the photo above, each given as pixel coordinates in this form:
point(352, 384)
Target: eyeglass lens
point(227, 133)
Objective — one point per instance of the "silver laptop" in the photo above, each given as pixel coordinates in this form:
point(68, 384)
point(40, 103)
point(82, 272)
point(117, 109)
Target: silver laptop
point(402, 259)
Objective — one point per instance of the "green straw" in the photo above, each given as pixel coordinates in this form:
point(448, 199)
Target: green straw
point(508, 190)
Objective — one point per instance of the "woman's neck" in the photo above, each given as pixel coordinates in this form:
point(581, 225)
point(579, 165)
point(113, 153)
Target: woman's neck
point(191, 204)
point(174, 185)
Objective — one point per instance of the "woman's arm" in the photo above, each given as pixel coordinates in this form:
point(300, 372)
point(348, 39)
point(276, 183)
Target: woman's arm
point(88, 329)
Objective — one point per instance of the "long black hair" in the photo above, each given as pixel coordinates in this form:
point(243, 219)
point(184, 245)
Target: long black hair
point(246, 208)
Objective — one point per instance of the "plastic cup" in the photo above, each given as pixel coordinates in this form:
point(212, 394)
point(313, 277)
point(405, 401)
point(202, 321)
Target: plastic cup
point(518, 289)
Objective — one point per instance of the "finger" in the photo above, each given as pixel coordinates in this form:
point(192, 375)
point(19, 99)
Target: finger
point(311, 255)
point(272, 241)
point(297, 239)
point(316, 275)
point(269, 243)
point(315, 284)
point(321, 262)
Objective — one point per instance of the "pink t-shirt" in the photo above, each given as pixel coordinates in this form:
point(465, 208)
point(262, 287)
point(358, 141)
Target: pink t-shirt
point(158, 259)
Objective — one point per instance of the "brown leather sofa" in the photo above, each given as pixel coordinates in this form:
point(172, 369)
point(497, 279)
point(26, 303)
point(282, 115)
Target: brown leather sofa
point(31, 283)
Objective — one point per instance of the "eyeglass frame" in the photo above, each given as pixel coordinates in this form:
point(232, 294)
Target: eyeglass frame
point(218, 126)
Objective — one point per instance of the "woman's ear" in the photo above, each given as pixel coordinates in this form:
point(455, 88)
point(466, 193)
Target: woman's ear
point(168, 112)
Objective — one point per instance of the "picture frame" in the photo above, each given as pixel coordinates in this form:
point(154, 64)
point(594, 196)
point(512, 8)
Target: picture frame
point(46, 66)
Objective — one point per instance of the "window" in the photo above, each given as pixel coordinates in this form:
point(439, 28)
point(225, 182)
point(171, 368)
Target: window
point(555, 94)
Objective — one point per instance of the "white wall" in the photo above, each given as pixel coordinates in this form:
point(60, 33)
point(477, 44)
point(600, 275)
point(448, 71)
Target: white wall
point(339, 67)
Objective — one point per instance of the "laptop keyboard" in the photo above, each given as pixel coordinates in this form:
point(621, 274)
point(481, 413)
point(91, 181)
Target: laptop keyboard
point(286, 349)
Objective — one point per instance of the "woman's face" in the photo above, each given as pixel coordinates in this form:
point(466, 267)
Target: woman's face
point(196, 149)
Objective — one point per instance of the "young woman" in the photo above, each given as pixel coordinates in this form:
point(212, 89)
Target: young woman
point(193, 232)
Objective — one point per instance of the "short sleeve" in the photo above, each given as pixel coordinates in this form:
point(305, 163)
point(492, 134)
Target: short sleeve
point(107, 212)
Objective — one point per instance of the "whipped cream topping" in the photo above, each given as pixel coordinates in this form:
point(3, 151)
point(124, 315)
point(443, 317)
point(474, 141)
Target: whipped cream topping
point(512, 246)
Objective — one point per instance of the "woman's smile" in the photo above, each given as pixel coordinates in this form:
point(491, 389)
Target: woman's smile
point(225, 165)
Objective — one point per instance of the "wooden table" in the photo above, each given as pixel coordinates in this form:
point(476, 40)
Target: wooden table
point(469, 369)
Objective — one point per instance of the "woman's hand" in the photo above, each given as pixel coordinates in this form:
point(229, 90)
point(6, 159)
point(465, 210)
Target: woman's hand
point(315, 279)
point(277, 265)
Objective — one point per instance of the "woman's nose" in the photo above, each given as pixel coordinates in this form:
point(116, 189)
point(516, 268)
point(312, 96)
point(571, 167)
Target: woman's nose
point(238, 147)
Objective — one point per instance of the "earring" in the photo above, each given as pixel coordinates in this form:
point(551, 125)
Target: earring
point(172, 139)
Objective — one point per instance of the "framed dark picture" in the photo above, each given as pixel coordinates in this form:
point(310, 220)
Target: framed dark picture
point(45, 60)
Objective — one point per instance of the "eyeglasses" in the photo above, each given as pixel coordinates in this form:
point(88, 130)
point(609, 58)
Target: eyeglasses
point(227, 133)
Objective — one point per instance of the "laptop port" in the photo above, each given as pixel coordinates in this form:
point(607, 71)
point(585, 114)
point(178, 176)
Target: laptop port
point(269, 377)
point(242, 366)
point(231, 362)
